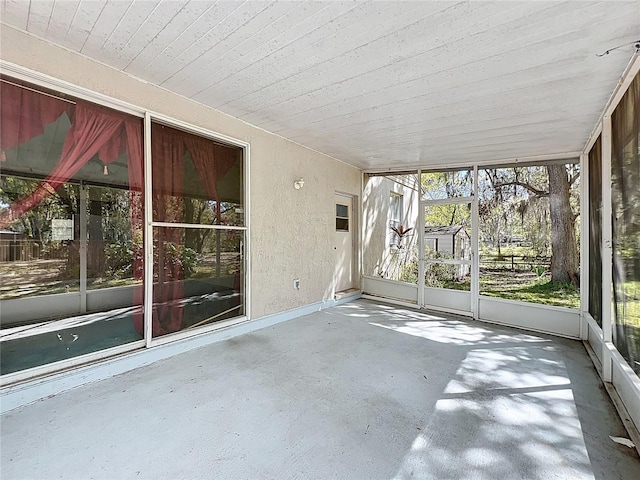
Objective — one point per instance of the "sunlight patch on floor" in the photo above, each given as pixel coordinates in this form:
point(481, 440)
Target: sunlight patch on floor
point(507, 413)
point(509, 368)
point(454, 332)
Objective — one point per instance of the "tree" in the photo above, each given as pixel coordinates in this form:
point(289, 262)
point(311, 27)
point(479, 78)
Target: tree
point(36, 223)
point(517, 192)
point(96, 246)
point(564, 247)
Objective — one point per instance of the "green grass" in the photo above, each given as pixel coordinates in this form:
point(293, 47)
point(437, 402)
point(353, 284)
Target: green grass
point(632, 304)
point(527, 285)
point(533, 290)
point(508, 251)
point(526, 288)
point(464, 285)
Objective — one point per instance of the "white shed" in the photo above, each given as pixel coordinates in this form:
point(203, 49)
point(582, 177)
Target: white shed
point(452, 242)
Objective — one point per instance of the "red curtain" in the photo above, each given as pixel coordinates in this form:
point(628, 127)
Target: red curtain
point(212, 162)
point(24, 114)
point(93, 129)
point(134, 134)
point(224, 159)
point(167, 150)
point(107, 134)
point(203, 155)
point(135, 155)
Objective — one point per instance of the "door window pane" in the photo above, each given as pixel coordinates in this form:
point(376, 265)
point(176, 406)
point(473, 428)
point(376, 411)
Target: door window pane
point(342, 218)
point(447, 231)
point(342, 211)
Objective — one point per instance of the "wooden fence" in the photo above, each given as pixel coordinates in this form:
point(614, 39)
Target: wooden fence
point(19, 250)
point(515, 262)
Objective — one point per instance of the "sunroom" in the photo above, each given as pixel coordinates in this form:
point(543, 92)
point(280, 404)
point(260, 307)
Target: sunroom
point(178, 174)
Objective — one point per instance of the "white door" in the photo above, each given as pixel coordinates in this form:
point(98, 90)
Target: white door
point(343, 248)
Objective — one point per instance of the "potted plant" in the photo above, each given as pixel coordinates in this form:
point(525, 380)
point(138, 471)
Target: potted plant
point(401, 232)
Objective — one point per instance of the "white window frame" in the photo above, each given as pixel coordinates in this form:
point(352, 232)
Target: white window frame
point(48, 82)
point(396, 218)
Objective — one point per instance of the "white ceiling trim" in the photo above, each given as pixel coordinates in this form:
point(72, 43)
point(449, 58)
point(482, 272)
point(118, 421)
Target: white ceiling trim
point(570, 157)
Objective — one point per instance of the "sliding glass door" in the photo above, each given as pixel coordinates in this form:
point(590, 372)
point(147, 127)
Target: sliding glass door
point(197, 231)
point(71, 211)
point(100, 252)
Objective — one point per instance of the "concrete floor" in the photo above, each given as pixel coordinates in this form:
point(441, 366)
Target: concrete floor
point(359, 391)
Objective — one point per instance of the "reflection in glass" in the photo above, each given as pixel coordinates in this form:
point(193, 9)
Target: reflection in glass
point(33, 259)
point(114, 243)
point(195, 180)
point(198, 277)
point(625, 196)
point(54, 154)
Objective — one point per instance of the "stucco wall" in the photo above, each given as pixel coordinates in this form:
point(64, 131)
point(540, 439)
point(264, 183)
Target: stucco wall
point(377, 256)
point(292, 230)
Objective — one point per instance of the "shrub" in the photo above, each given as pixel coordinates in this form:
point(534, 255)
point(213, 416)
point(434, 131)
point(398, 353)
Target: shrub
point(120, 258)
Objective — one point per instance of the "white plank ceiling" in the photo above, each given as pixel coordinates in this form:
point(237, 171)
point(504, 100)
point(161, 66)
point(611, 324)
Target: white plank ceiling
point(376, 84)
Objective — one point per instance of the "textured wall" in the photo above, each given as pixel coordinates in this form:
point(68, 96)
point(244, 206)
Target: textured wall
point(291, 230)
point(375, 210)
point(377, 256)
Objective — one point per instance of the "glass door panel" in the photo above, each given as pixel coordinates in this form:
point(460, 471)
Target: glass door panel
point(198, 277)
point(447, 245)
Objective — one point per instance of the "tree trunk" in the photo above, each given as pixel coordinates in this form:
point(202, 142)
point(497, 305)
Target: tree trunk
point(564, 247)
point(190, 234)
point(72, 205)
